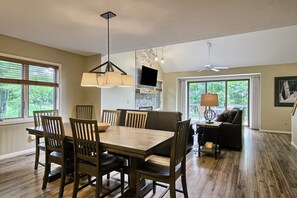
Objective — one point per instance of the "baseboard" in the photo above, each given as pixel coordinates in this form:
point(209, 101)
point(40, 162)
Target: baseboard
point(272, 131)
point(294, 145)
point(31, 150)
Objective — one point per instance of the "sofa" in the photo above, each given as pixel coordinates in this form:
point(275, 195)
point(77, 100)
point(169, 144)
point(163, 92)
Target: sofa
point(161, 120)
point(231, 130)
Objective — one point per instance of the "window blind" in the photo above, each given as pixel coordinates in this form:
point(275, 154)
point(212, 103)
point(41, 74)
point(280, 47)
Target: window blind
point(15, 71)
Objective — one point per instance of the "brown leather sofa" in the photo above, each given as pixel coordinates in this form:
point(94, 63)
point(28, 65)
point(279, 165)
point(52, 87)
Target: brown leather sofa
point(231, 131)
point(161, 120)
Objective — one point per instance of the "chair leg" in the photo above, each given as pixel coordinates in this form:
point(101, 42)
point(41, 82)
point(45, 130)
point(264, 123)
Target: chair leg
point(46, 173)
point(37, 152)
point(122, 181)
point(76, 181)
point(154, 187)
point(63, 176)
point(184, 184)
point(137, 185)
point(98, 185)
point(172, 189)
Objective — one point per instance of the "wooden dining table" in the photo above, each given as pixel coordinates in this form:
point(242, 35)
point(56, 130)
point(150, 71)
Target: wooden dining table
point(133, 142)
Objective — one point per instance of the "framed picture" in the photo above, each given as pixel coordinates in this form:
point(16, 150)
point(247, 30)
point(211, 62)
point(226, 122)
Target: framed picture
point(285, 92)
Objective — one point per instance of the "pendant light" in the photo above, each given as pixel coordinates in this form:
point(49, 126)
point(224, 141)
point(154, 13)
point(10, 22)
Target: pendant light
point(110, 77)
point(162, 59)
point(156, 55)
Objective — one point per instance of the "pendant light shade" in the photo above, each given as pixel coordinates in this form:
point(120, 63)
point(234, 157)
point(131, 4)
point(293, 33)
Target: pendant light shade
point(108, 78)
point(89, 80)
point(127, 81)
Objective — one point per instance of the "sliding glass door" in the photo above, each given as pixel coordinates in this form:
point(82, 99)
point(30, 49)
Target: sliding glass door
point(238, 96)
point(231, 93)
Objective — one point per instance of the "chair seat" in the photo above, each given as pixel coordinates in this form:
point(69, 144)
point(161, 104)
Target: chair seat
point(108, 161)
point(41, 146)
point(56, 154)
point(156, 166)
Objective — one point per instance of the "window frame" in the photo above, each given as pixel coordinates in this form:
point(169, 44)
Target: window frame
point(25, 83)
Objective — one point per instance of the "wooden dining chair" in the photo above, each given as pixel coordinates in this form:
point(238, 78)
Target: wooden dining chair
point(84, 111)
point(111, 116)
point(56, 150)
point(38, 144)
point(167, 170)
point(135, 119)
point(89, 158)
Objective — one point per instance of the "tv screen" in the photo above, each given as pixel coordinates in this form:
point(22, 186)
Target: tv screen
point(149, 76)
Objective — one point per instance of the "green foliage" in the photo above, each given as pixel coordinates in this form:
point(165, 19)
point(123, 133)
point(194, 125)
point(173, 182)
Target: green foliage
point(41, 98)
point(10, 101)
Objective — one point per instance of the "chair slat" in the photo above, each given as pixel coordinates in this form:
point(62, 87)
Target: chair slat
point(84, 111)
point(136, 119)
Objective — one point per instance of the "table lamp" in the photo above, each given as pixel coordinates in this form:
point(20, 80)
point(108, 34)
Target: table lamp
point(209, 100)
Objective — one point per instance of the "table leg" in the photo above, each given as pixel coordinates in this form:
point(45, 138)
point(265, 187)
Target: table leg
point(216, 144)
point(216, 147)
point(145, 188)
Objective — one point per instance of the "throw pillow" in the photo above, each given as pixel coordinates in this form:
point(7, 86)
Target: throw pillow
point(223, 116)
point(231, 115)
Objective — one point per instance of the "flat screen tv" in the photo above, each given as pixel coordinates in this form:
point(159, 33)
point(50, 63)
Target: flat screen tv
point(149, 76)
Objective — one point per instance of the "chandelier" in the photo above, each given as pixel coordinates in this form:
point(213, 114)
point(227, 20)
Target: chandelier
point(112, 76)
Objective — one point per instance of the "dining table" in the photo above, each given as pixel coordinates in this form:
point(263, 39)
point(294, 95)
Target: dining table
point(135, 143)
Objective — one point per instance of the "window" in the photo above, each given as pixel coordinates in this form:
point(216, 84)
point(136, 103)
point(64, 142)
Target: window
point(26, 86)
point(231, 93)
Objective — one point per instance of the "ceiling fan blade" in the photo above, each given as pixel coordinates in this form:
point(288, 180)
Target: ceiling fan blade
point(215, 69)
point(222, 67)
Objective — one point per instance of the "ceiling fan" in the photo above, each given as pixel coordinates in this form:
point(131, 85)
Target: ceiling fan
point(209, 66)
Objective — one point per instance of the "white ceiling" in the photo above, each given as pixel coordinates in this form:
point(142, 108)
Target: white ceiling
point(75, 26)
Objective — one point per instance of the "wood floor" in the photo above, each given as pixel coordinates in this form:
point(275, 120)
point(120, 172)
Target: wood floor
point(266, 167)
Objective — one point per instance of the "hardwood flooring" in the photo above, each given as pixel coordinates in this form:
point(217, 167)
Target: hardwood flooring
point(266, 167)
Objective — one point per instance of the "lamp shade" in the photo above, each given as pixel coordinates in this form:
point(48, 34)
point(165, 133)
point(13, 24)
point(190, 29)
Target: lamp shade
point(89, 80)
point(127, 81)
point(113, 79)
point(209, 100)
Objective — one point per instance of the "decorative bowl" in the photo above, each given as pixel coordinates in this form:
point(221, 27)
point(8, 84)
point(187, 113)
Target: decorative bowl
point(102, 126)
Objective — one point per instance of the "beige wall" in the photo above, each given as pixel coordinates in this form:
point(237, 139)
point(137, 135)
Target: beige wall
point(272, 118)
point(14, 138)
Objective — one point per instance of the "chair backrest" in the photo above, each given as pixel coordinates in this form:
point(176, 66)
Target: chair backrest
point(179, 143)
point(150, 108)
point(84, 111)
point(54, 134)
point(86, 140)
point(111, 116)
point(136, 119)
point(37, 115)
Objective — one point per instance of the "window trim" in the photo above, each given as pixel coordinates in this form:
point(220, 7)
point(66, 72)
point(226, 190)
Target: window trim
point(23, 60)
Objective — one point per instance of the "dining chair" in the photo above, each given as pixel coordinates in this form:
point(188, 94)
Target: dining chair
point(56, 150)
point(84, 111)
point(89, 158)
point(38, 144)
point(135, 119)
point(111, 116)
point(167, 170)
